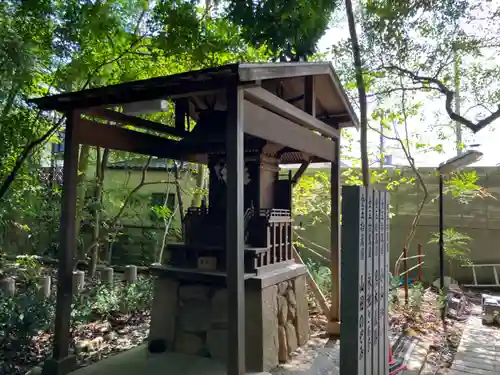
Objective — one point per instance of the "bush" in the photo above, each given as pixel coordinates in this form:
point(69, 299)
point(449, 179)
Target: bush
point(321, 274)
point(22, 317)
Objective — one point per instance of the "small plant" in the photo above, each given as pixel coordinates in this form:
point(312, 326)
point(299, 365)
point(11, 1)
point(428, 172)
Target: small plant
point(416, 294)
point(321, 274)
point(394, 282)
point(22, 317)
point(31, 270)
point(456, 246)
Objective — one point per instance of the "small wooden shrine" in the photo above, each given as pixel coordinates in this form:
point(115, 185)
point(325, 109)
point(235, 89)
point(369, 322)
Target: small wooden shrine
point(232, 291)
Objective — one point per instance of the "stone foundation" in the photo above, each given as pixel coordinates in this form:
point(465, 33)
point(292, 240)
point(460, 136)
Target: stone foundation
point(190, 316)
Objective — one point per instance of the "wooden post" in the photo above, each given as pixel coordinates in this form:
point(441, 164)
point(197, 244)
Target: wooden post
point(387, 250)
point(376, 280)
point(45, 286)
point(352, 329)
point(419, 262)
point(405, 268)
point(369, 283)
point(335, 254)
point(8, 286)
point(61, 362)
point(235, 230)
point(383, 348)
point(130, 274)
point(107, 276)
point(78, 281)
point(364, 343)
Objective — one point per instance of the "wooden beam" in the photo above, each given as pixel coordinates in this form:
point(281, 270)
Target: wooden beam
point(300, 171)
point(266, 99)
point(235, 241)
point(169, 87)
point(267, 125)
point(116, 138)
point(309, 96)
point(310, 108)
point(337, 120)
point(181, 111)
point(138, 122)
point(67, 246)
point(252, 72)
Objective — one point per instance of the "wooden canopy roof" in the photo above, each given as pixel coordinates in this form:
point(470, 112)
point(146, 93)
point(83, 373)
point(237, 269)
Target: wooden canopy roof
point(308, 94)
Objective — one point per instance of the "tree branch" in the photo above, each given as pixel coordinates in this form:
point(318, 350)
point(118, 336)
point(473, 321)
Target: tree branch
point(449, 98)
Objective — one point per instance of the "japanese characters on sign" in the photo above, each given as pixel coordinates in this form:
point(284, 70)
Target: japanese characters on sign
point(365, 261)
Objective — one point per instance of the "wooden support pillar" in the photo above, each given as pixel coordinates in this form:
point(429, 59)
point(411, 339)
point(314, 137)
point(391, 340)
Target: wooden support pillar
point(62, 362)
point(235, 231)
point(334, 323)
point(181, 109)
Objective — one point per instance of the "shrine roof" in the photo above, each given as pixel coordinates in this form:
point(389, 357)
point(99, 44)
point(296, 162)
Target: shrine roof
point(285, 79)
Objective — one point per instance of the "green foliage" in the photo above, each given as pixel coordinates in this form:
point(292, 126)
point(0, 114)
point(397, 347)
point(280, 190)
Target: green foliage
point(290, 28)
point(22, 317)
point(456, 245)
point(463, 186)
point(322, 275)
point(416, 296)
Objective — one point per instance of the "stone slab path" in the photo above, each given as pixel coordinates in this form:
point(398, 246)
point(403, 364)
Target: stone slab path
point(479, 350)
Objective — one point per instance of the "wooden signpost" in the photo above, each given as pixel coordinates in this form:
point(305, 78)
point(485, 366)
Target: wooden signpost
point(364, 289)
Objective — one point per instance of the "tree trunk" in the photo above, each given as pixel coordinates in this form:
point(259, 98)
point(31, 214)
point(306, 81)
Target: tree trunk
point(100, 168)
point(358, 66)
point(83, 162)
point(200, 185)
point(179, 197)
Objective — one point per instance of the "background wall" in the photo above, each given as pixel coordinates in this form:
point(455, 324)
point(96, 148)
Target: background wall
point(480, 219)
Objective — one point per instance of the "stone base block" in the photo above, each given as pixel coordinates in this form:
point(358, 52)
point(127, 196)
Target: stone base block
point(333, 328)
point(63, 366)
point(196, 318)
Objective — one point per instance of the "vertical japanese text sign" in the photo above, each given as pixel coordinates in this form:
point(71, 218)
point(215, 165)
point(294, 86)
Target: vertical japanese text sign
point(385, 251)
point(369, 282)
point(364, 290)
point(353, 254)
point(376, 280)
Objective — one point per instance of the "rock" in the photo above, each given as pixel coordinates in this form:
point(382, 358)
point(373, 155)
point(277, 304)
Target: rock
point(8, 286)
point(37, 370)
point(188, 343)
point(194, 292)
point(302, 319)
point(291, 337)
point(219, 307)
point(96, 343)
point(196, 316)
point(291, 297)
point(282, 310)
point(82, 346)
point(282, 287)
point(110, 336)
point(447, 281)
point(217, 344)
point(292, 313)
point(283, 347)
